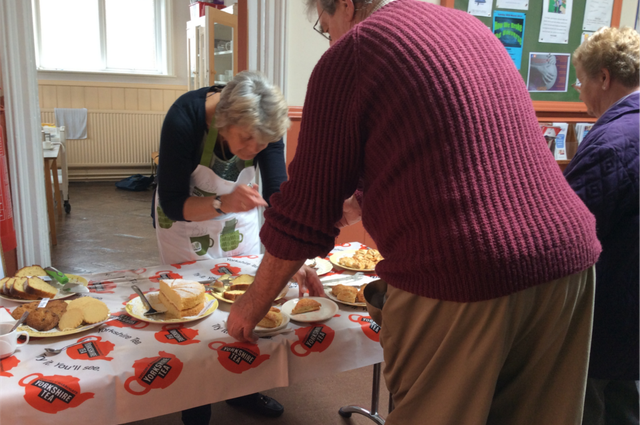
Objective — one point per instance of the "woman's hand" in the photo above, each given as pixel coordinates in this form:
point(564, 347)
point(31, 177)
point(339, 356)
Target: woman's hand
point(308, 279)
point(351, 213)
point(243, 198)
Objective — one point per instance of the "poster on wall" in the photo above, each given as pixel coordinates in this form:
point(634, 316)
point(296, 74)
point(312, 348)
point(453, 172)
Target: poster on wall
point(548, 72)
point(512, 4)
point(556, 21)
point(597, 14)
point(509, 28)
point(480, 7)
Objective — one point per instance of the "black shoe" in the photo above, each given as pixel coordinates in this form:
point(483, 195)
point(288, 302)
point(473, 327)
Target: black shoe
point(258, 403)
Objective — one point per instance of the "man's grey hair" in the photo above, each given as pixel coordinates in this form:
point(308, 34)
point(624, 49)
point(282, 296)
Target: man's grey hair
point(329, 6)
point(252, 102)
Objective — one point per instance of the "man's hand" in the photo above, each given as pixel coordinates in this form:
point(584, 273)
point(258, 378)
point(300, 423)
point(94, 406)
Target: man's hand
point(271, 277)
point(308, 279)
point(351, 213)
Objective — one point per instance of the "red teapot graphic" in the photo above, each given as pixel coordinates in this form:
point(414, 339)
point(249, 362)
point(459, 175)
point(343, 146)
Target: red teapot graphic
point(91, 348)
point(177, 334)
point(233, 270)
point(53, 394)
point(123, 320)
point(164, 274)
point(238, 357)
point(370, 328)
point(153, 373)
point(314, 338)
point(186, 263)
point(104, 287)
point(7, 364)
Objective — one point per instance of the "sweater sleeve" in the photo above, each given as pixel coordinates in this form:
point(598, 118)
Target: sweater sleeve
point(272, 169)
point(179, 144)
point(327, 164)
point(599, 179)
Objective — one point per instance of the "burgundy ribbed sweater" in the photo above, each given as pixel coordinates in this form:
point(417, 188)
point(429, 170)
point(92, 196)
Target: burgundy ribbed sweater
point(461, 193)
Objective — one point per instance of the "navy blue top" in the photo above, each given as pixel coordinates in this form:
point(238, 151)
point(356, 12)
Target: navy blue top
point(604, 173)
point(181, 143)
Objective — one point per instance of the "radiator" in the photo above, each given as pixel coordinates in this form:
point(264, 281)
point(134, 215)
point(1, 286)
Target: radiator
point(118, 144)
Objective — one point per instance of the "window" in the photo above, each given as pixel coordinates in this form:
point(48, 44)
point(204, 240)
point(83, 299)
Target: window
point(120, 36)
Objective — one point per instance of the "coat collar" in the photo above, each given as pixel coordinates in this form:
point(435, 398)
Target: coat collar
point(628, 104)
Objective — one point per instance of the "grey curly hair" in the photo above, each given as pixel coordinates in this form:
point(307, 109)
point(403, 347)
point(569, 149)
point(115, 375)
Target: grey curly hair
point(617, 50)
point(252, 102)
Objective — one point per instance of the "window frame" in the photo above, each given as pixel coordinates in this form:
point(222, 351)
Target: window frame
point(164, 47)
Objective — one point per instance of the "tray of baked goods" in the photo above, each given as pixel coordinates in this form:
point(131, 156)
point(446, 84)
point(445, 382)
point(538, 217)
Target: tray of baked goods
point(361, 260)
point(61, 317)
point(229, 288)
point(32, 283)
point(178, 301)
point(349, 295)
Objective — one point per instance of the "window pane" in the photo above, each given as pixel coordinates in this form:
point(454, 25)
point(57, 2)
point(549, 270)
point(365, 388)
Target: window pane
point(131, 34)
point(70, 34)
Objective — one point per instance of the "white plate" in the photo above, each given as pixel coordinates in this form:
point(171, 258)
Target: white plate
point(218, 295)
point(327, 310)
point(136, 308)
point(285, 322)
point(59, 296)
point(323, 266)
point(335, 260)
point(327, 291)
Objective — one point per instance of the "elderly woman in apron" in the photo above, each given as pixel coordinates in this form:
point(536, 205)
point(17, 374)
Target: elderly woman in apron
point(206, 205)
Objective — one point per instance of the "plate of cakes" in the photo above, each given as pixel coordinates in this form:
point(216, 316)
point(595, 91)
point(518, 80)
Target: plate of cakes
point(310, 309)
point(28, 285)
point(274, 320)
point(361, 260)
point(179, 301)
point(229, 288)
point(349, 295)
point(61, 317)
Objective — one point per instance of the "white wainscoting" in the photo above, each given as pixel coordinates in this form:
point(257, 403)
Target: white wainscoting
point(118, 144)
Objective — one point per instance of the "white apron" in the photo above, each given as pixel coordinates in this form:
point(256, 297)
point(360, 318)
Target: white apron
point(224, 236)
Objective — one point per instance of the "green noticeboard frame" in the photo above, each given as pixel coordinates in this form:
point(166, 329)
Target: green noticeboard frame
point(531, 44)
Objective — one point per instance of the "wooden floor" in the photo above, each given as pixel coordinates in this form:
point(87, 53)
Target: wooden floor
point(111, 229)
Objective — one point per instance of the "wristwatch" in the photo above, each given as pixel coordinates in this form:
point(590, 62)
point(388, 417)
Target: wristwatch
point(217, 205)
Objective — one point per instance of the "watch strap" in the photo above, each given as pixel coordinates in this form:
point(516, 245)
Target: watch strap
point(217, 205)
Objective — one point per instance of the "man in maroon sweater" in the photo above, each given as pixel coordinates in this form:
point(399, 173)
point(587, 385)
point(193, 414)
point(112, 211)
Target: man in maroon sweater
point(488, 252)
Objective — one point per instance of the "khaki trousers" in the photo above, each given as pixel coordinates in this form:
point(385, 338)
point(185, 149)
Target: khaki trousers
point(515, 360)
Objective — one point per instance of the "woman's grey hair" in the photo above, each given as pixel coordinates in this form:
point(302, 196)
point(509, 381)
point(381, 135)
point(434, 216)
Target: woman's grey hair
point(329, 6)
point(252, 102)
point(617, 50)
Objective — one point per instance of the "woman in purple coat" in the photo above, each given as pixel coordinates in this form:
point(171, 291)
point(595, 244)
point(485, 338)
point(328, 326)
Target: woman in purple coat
point(604, 173)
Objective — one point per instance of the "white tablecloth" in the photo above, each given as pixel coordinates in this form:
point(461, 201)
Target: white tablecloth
point(130, 370)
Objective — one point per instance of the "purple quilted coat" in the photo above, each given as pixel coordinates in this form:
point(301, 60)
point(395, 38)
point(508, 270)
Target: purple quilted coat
point(604, 173)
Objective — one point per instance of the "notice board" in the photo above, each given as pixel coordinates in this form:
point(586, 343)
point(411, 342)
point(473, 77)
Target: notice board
point(531, 44)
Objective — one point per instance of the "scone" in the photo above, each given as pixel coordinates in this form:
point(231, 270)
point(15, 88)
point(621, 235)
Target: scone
point(348, 294)
point(360, 295)
point(306, 305)
point(273, 319)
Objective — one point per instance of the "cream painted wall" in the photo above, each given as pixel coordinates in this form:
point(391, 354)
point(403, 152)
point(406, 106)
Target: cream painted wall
point(629, 10)
point(304, 49)
point(179, 15)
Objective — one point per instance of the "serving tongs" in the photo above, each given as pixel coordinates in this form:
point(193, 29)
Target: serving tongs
point(341, 279)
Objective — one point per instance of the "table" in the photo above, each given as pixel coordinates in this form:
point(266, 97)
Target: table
point(125, 364)
point(51, 172)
